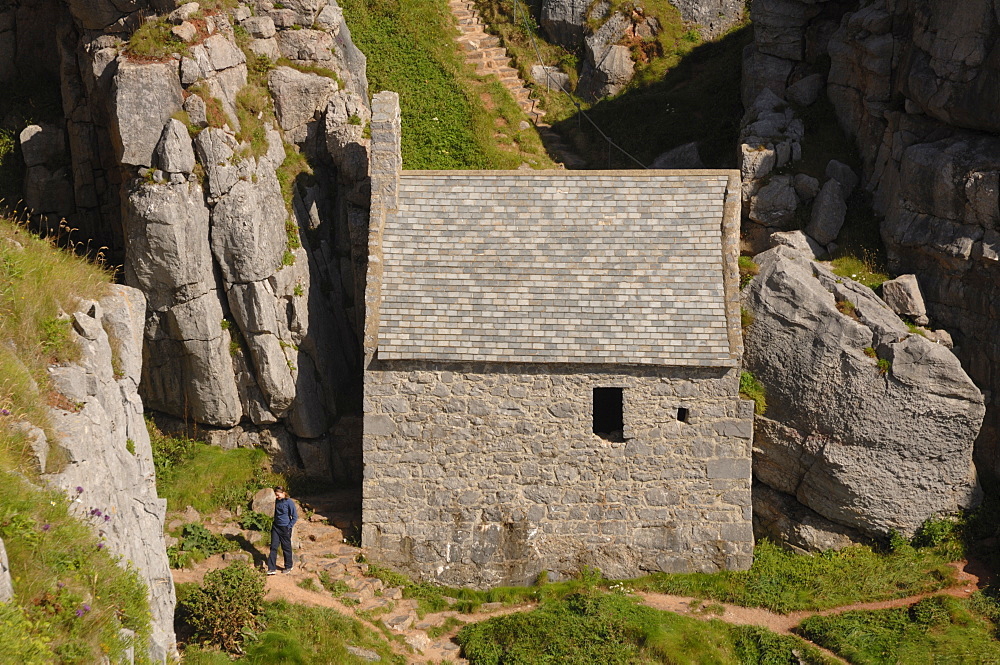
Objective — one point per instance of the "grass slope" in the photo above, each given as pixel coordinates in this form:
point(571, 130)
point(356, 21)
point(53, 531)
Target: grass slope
point(613, 629)
point(451, 119)
point(38, 284)
point(937, 629)
point(71, 597)
point(785, 582)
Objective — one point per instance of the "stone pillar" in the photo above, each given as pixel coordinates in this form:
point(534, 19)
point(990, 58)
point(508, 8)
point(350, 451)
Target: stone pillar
point(385, 163)
point(731, 215)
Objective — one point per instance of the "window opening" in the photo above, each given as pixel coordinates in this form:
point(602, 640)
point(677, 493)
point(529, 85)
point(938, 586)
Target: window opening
point(609, 421)
point(682, 414)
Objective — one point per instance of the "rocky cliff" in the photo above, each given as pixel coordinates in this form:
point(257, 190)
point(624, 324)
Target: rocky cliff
point(109, 472)
point(227, 172)
point(914, 84)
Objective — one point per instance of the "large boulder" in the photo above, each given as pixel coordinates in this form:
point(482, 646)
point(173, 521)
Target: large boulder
point(868, 425)
point(144, 96)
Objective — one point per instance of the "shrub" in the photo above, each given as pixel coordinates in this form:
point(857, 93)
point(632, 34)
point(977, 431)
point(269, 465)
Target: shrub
point(935, 531)
point(227, 606)
point(251, 519)
point(753, 389)
point(746, 318)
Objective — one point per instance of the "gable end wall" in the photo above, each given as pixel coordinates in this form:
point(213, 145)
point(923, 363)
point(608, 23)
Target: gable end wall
point(484, 474)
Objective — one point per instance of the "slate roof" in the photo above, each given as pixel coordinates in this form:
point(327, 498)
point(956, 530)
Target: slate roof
point(578, 267)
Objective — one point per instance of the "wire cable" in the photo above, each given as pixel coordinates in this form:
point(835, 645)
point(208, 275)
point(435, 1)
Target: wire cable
point(580, 111)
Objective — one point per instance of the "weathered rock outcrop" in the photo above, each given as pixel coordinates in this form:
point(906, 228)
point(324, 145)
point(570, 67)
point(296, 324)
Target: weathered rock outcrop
point(915, 84)
point(6, 586)
point(714, 16)
point(108, 449)
point(868, 425)
point(251, 324)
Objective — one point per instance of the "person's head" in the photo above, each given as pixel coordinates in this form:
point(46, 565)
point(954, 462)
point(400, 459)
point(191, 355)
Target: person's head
point(280, 493)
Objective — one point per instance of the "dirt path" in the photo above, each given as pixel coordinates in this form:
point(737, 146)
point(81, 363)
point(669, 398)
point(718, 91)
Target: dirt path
point(321, 547)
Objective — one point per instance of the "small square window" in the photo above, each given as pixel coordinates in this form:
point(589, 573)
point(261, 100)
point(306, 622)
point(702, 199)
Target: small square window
point(609, 420)
point(682, 414)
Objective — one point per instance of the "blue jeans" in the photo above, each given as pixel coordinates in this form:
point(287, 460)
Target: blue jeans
point(280, 535)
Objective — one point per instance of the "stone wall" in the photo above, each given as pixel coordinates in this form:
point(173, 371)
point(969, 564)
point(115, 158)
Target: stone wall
point(485, 474)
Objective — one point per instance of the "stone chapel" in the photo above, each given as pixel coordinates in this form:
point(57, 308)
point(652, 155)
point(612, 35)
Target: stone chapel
point(552, 365)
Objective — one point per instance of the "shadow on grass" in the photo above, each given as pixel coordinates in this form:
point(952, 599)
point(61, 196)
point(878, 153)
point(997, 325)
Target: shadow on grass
point(698, 100)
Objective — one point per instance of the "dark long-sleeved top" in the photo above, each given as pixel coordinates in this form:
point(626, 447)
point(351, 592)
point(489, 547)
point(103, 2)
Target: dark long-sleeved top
point(285, 513)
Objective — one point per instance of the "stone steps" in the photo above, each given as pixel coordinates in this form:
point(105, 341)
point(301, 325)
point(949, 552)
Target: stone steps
point(489, 57)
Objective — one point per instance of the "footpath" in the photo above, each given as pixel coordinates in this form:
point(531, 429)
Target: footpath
point(320, 546)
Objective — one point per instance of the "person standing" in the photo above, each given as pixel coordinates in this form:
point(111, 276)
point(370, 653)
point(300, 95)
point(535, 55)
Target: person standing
point(285, 517)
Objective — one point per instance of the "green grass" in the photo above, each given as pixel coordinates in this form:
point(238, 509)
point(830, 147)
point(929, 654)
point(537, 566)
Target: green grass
point(153, 40)
point(785, 582)
point(71, 597)
point(940, 629)
point(191, 473)
point(451, 119)
point(750, 387)
point(614, 629)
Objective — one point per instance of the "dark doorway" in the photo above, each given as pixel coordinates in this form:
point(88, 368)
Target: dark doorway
point(609, 420)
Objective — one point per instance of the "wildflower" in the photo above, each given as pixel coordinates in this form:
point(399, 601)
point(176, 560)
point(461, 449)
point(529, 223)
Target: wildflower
point(4, 412)
point(60, 585)
point(95, 512)
point(100, 546)
point(107, 518)
point(79, 490)
point(46, 527)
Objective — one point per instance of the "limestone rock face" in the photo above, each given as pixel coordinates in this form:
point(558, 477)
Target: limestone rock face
point(871, 443)
point(829, 210)
point(714, 16)
point(564, 20)
point(248, 227)
point(784, 520)
point(914, 85)
point(187, 368)
point(97, 439)
point(145, 96)
point(347, 115)
point(299, 97)
point(6, 586)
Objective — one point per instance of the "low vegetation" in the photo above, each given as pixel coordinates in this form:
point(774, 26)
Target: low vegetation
point(72, 598)
point(613, 628)
point(451, 118)
point(208, 478)
point(935, 629)
point(153, 40)
point(227, 614)
point(751, 388)
point(226, 608)
point(785, 582)
point(748, 270)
